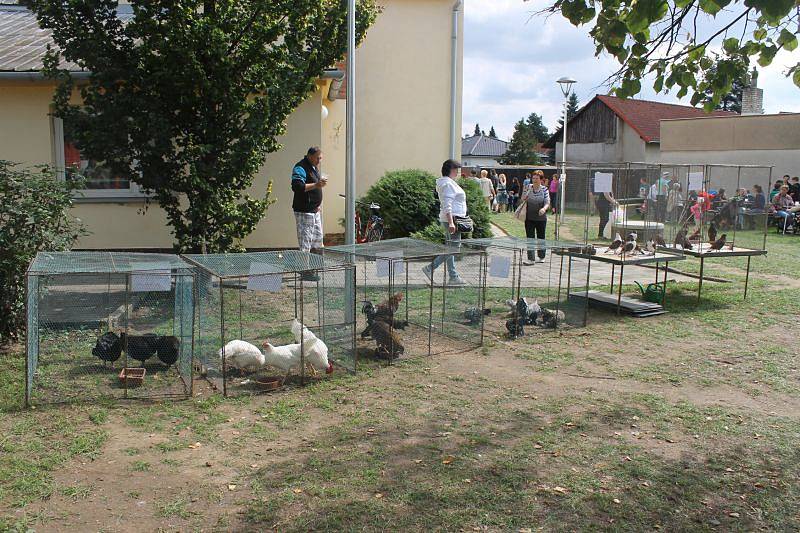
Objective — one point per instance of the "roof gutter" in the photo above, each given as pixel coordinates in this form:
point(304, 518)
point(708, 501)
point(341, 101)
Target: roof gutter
point(38, 76)
point(337, 79)
point(454, 78)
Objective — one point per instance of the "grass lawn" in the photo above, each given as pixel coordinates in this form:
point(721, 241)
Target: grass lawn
point(686, 421)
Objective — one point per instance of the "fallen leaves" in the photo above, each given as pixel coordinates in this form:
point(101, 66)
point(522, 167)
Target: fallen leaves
point(447, 460)
point(195, 446)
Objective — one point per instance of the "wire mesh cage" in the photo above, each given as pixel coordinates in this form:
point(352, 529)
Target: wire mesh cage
point(107, 324)
point(527, 297)
point(402, 311)
point(265, 317)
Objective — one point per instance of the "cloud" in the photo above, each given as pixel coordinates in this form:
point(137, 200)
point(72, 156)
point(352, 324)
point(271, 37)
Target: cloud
point(512, 59)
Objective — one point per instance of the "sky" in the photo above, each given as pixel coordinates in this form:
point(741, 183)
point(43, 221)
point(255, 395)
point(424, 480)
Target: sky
point(512, 59)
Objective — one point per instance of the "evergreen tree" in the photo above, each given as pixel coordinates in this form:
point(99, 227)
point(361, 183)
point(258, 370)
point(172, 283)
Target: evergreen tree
point(572, 108)
point(528, 132)
point(477, 129)
point(492, 133)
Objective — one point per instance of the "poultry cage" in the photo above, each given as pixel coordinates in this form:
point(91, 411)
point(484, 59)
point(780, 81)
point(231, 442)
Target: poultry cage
point(107, 324)
point(527, 297)
point(622, 212)
point(721, 211)
point(267, 317)
point(401, 311)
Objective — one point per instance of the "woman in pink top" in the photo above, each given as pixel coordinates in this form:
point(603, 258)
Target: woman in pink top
point(554, 192)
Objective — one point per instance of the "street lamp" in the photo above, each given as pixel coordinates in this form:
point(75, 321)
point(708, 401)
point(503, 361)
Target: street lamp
point(566, 84)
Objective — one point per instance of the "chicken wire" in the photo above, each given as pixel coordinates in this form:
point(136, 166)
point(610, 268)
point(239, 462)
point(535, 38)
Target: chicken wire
point(255, 297)
point(75, 298)
point(555, 289)
point(432, 316)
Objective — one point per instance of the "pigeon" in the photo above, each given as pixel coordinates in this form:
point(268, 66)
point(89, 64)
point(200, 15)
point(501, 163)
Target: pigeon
point(650, 247)
point(659, 241)
point(712, 232)
point(719, 243)
point(616, 243)
point(695, 236)
point(590, 250)
point(630, 245)
point(632, 236)
point(680, 237)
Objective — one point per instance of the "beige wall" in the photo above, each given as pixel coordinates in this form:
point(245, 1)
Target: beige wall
point(403, 121)
point(742, 140)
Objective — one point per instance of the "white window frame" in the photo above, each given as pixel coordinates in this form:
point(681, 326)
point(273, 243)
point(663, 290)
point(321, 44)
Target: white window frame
point(59, 162)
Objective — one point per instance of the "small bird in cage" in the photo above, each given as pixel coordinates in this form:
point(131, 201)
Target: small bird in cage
point(615, 244)
point(659, 241)
point(630, 245)
point(695, 236)
point(712, 232)
point(719, 243)
point(474, 315)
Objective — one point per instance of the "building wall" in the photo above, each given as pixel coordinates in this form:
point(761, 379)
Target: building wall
point(741, 140)
point(403, 121)
point(627, 147)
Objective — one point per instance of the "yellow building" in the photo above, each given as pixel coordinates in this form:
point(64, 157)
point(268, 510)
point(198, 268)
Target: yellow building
point(408, 116)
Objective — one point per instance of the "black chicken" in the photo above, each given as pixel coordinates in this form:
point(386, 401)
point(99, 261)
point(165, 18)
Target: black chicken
point(108, 347)
point(719, 243)
point(473, 315)
point(140, 347)
point(168, 348)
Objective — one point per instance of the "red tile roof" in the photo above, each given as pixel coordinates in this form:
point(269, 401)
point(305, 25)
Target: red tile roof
point(645, 116)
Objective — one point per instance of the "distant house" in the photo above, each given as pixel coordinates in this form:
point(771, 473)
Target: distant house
point(615, 130)
point(482, 151)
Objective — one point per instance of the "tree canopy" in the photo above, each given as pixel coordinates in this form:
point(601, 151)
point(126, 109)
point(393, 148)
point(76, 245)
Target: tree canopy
point(187, 98)
point(492, 133)
point(528, 132)
point(572, 108)
point(695, 46)
point(477, 129)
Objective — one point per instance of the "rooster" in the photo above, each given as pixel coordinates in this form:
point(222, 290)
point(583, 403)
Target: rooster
point(384, 313)
point(108, 347)
point(387, 341)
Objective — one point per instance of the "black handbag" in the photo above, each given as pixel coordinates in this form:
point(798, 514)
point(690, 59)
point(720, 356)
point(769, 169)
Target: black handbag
point(463, 224)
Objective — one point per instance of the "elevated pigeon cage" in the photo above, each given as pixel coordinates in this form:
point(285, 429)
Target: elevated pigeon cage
point(108, 325)
point(526, 297)
point(720, 211)
point(401, 311)
point(266, 319)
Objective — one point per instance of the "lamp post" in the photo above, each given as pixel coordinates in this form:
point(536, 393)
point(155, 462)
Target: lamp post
point(350, 144)
point(566, 84)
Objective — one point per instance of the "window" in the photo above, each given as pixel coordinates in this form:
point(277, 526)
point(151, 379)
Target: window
point(100, 181)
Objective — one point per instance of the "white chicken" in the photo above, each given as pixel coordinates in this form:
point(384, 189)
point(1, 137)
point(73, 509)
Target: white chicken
point(316, 351)
point(285, 358)
point(243, 356)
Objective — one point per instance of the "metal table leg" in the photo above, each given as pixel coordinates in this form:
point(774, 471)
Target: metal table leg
point(619, 290)
point(700, 283)
point(747, 277)
point(613, 268)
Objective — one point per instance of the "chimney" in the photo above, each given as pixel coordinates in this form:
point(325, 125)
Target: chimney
point(752, 96)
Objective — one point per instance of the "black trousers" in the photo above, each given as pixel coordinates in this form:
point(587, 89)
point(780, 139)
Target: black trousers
point(535, 229)
point(604, 210)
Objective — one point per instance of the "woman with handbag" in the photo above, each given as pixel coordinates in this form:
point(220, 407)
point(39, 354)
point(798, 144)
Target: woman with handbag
point(453, 217)
point(537, 204)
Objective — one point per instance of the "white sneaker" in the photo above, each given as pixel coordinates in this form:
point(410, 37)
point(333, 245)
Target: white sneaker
point(428, 271)
point(528, 262)
point(456, 281)
point(540, 259)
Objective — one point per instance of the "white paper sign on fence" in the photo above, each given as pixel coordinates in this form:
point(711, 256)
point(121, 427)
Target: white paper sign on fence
point(151, 277)
point(500, 266)
point(382, 264)
point(264, 277)
point(695, 181)
point(603, 182)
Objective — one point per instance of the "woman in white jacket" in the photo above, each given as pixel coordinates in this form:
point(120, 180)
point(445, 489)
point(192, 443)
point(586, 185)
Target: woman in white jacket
point(453, 203)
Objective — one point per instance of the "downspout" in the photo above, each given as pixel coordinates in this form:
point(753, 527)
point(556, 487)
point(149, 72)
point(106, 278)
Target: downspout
point(337, 79)
point(454, 78)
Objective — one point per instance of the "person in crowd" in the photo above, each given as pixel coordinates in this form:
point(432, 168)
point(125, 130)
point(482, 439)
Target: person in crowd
point(526, 183)
point(794, 188)
point(502, 193)
point(674, 202)
point(494, 178)
point(605, 202)
point(782, 204)
point(553, 190)
point(307, 185)
point(538, 204)
point(776, 189)
point(486, 188)
point(452, 205)
point(514, 189)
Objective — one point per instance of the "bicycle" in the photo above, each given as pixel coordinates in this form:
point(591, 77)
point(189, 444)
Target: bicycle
point(373, 231)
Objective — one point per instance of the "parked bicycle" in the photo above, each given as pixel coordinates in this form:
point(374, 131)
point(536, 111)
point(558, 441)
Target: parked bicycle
point(373, 230)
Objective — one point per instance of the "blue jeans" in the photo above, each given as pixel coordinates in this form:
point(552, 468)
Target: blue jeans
point(452, 239)
point(787, 216)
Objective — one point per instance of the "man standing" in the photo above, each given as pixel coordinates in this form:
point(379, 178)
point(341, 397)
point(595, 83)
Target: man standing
point(307, 185)
point(486, 188)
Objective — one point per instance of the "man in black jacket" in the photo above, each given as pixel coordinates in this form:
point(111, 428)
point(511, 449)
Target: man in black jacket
point(307, 185)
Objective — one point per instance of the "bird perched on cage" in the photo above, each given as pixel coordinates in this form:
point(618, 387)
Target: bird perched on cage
point(242, 356)
point(615, 244)
point(719, 243)
point(388, 343)
point(550, 319)
point(315, 351)
point(168, 348)
point(140, 347)
point(712, 232)
point(108, 347)
point(474, 315)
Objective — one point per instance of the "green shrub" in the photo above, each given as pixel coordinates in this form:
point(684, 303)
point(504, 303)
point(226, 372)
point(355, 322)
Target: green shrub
point(433, 232)
point(409, 204)
point(407, 199)
point(33, 217)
